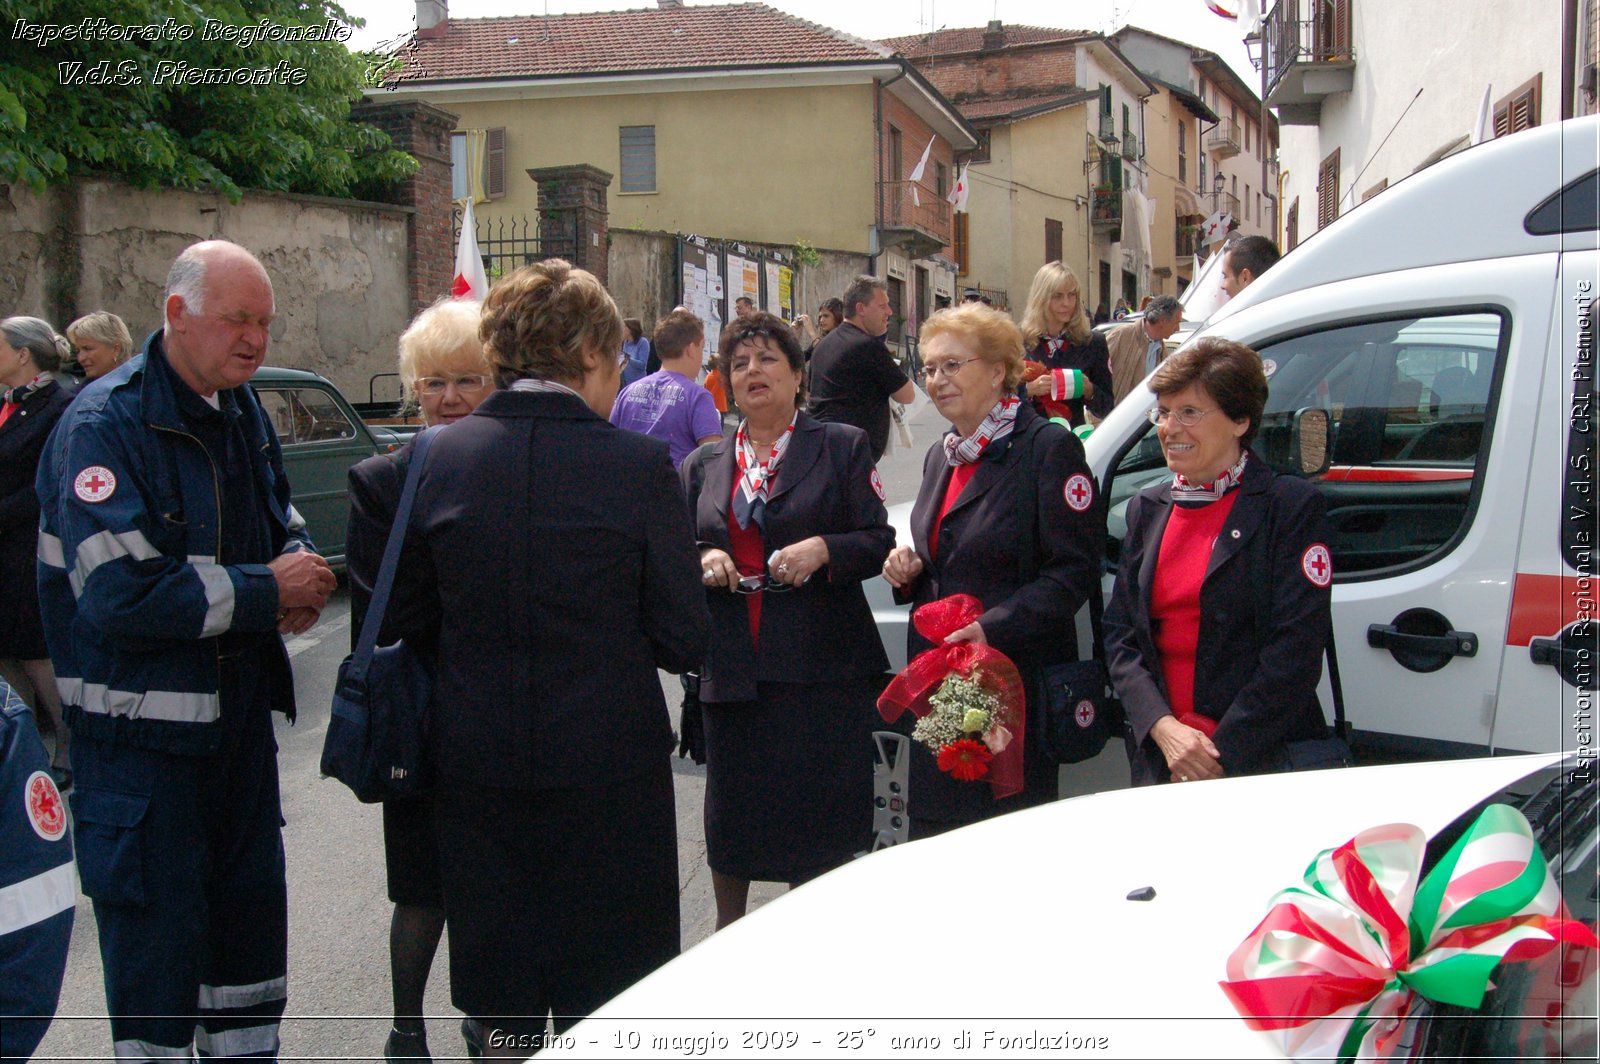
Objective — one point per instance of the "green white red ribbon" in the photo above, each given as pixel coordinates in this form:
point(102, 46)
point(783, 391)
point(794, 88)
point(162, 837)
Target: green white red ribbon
point(1336, 965)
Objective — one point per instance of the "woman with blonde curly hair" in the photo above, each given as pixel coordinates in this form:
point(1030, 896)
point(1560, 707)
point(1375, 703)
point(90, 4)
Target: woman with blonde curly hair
point(1071, 372)
point(969, 536)
point(549, 559)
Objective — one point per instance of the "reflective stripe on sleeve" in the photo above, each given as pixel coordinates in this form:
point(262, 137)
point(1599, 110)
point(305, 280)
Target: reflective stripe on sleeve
point(105, 546)
point(240, 997)
point(134, 1049)
point(219, 595)
point(187, 707)
point(50, 551)
point(37, 898)
point(240, 1042)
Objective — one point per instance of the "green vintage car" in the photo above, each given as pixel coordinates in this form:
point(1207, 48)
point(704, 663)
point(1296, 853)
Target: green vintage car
point(322, 437)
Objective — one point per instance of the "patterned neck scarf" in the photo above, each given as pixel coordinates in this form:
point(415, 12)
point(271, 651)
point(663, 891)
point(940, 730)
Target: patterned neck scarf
point(997, 425)
point(755, 475)
point(1187, 494)
point(534, 384)
point(22, 391)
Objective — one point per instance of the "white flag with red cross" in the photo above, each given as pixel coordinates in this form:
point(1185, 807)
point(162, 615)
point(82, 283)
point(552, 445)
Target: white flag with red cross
point(1215, 228)
point(470, 280)
point(958, 194)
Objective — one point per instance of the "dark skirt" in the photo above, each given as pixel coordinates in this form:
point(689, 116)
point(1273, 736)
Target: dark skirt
point(21, 631)
point(411, 852)
point(789, 779)
point(557, 900)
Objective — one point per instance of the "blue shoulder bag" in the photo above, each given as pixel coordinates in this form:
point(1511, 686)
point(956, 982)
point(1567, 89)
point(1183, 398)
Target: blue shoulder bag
point(378, 731)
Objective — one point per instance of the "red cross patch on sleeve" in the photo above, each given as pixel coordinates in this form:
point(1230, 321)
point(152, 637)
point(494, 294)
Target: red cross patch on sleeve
point(45, 812)
point(1079, 492)
point(877, 487)
point(95, 484)
point(1317, 564)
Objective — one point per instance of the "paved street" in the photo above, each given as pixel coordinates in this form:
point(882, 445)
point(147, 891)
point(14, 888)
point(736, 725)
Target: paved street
point(338, 910)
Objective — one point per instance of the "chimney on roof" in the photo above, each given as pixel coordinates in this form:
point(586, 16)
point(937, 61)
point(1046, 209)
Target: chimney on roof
point(668, 5)
point(994, 36)
point(433, 18)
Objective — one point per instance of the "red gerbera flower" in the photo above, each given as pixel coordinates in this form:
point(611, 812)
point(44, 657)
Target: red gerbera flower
point(965, 759)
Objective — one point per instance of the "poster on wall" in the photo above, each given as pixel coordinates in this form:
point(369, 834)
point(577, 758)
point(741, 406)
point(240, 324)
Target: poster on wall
point(774, 303)
point(786, 293)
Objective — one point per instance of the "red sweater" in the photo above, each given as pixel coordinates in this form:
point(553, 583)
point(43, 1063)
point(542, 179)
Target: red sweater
point(1175, 600)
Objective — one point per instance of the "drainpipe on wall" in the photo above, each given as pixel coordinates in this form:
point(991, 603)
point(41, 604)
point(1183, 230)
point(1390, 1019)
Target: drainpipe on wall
point(877, 128)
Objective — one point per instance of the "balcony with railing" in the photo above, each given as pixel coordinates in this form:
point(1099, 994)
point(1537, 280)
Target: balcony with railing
point(1223, 139)
point(1308, 55)
point(1130, 146)
point(1225, 201)
point(1188, 240)
point(1105, 212)
point(915, 218)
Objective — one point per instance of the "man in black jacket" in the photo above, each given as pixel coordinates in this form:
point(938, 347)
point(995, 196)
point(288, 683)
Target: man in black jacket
point(853, 376)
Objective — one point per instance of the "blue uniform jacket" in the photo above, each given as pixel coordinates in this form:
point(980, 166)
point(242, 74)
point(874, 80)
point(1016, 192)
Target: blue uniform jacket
point(37, 892)
point(131, 591)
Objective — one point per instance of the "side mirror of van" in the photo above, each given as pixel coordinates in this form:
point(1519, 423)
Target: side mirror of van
point(1310, 450)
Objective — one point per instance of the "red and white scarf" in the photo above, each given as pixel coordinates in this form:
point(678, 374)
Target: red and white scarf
point(997, 425)
point(1185, 493)
point(755, 475)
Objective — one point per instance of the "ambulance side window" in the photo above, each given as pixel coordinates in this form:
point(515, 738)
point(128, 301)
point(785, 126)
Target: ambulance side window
point(1410, 402)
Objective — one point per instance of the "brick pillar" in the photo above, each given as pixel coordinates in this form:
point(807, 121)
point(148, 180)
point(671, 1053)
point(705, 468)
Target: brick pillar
point(572, 206)
point(424, 131)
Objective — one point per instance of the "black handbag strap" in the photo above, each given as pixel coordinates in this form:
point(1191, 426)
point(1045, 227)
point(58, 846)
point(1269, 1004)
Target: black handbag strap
point(1028, 560)
point(368, 641)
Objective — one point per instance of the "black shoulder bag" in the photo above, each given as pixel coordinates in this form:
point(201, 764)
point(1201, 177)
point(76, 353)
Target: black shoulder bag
point(378, 731)
point(1078, 712)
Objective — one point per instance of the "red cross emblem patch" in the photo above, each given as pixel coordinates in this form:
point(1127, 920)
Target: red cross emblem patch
point(1317, 564)
point(95, 484)
point(877, 487)
point(1079, 492)
point(1083, 713)
point(45, 811)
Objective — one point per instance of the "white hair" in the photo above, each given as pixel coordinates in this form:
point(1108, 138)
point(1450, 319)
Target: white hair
point(187, 280)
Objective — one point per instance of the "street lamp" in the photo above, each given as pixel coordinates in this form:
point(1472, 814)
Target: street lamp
point(1253, 48)
point(1217, 184)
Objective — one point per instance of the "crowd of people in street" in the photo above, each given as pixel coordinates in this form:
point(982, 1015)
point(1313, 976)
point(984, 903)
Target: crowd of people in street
point(585, 522)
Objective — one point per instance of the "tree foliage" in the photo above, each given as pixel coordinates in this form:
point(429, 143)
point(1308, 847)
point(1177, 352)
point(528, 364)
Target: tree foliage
point(167, 106)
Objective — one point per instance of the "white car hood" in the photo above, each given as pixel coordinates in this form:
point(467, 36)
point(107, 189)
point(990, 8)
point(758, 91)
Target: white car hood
point(1022, 922)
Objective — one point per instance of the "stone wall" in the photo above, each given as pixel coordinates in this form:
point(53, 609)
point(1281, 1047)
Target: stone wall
point(338, 267)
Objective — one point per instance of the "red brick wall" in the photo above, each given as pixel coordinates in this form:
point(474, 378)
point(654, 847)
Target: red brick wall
point(1013, 71)
point(424, 131)
point(914, 134)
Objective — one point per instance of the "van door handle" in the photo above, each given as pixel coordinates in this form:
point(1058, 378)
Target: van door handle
point(1571, 653)
point(1422, 640)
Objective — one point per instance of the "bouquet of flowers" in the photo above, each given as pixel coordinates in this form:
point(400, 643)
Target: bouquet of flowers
point(967, 698)
point(965, 727)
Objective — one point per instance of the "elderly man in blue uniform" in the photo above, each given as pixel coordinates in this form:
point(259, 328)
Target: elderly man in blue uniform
point(170, 565)
point(36, 883)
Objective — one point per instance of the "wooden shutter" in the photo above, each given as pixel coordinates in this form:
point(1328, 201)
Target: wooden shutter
point(1291, 226)
point(962, 244)
point(638, 155)
point(494, 162)
point(1328, 190)
point(1519, 109)
point(1052, 240)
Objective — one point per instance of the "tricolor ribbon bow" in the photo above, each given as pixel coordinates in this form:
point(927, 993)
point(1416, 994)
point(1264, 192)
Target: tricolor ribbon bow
point(936, 621)
point(1335, 969)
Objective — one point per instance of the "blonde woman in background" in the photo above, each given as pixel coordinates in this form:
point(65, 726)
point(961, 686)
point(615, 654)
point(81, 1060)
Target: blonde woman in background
point(103, 343)
point(1056, 334)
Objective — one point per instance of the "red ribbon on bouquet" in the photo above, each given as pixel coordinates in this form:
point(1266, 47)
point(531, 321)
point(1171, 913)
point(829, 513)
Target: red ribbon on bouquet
point(911, 689)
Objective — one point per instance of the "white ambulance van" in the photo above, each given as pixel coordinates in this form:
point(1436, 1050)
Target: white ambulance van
point(1431, 363)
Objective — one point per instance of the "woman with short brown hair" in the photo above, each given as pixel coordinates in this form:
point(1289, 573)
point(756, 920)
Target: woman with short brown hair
point(550, 561)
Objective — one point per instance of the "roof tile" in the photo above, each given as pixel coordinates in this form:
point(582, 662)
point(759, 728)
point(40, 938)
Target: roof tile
point(532, 46)
point(970, 39)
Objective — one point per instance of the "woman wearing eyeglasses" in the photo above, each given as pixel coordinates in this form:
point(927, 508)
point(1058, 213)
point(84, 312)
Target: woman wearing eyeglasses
point(443, 369)
point(968, 537)
point(790, 518)
point(1216, 628)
